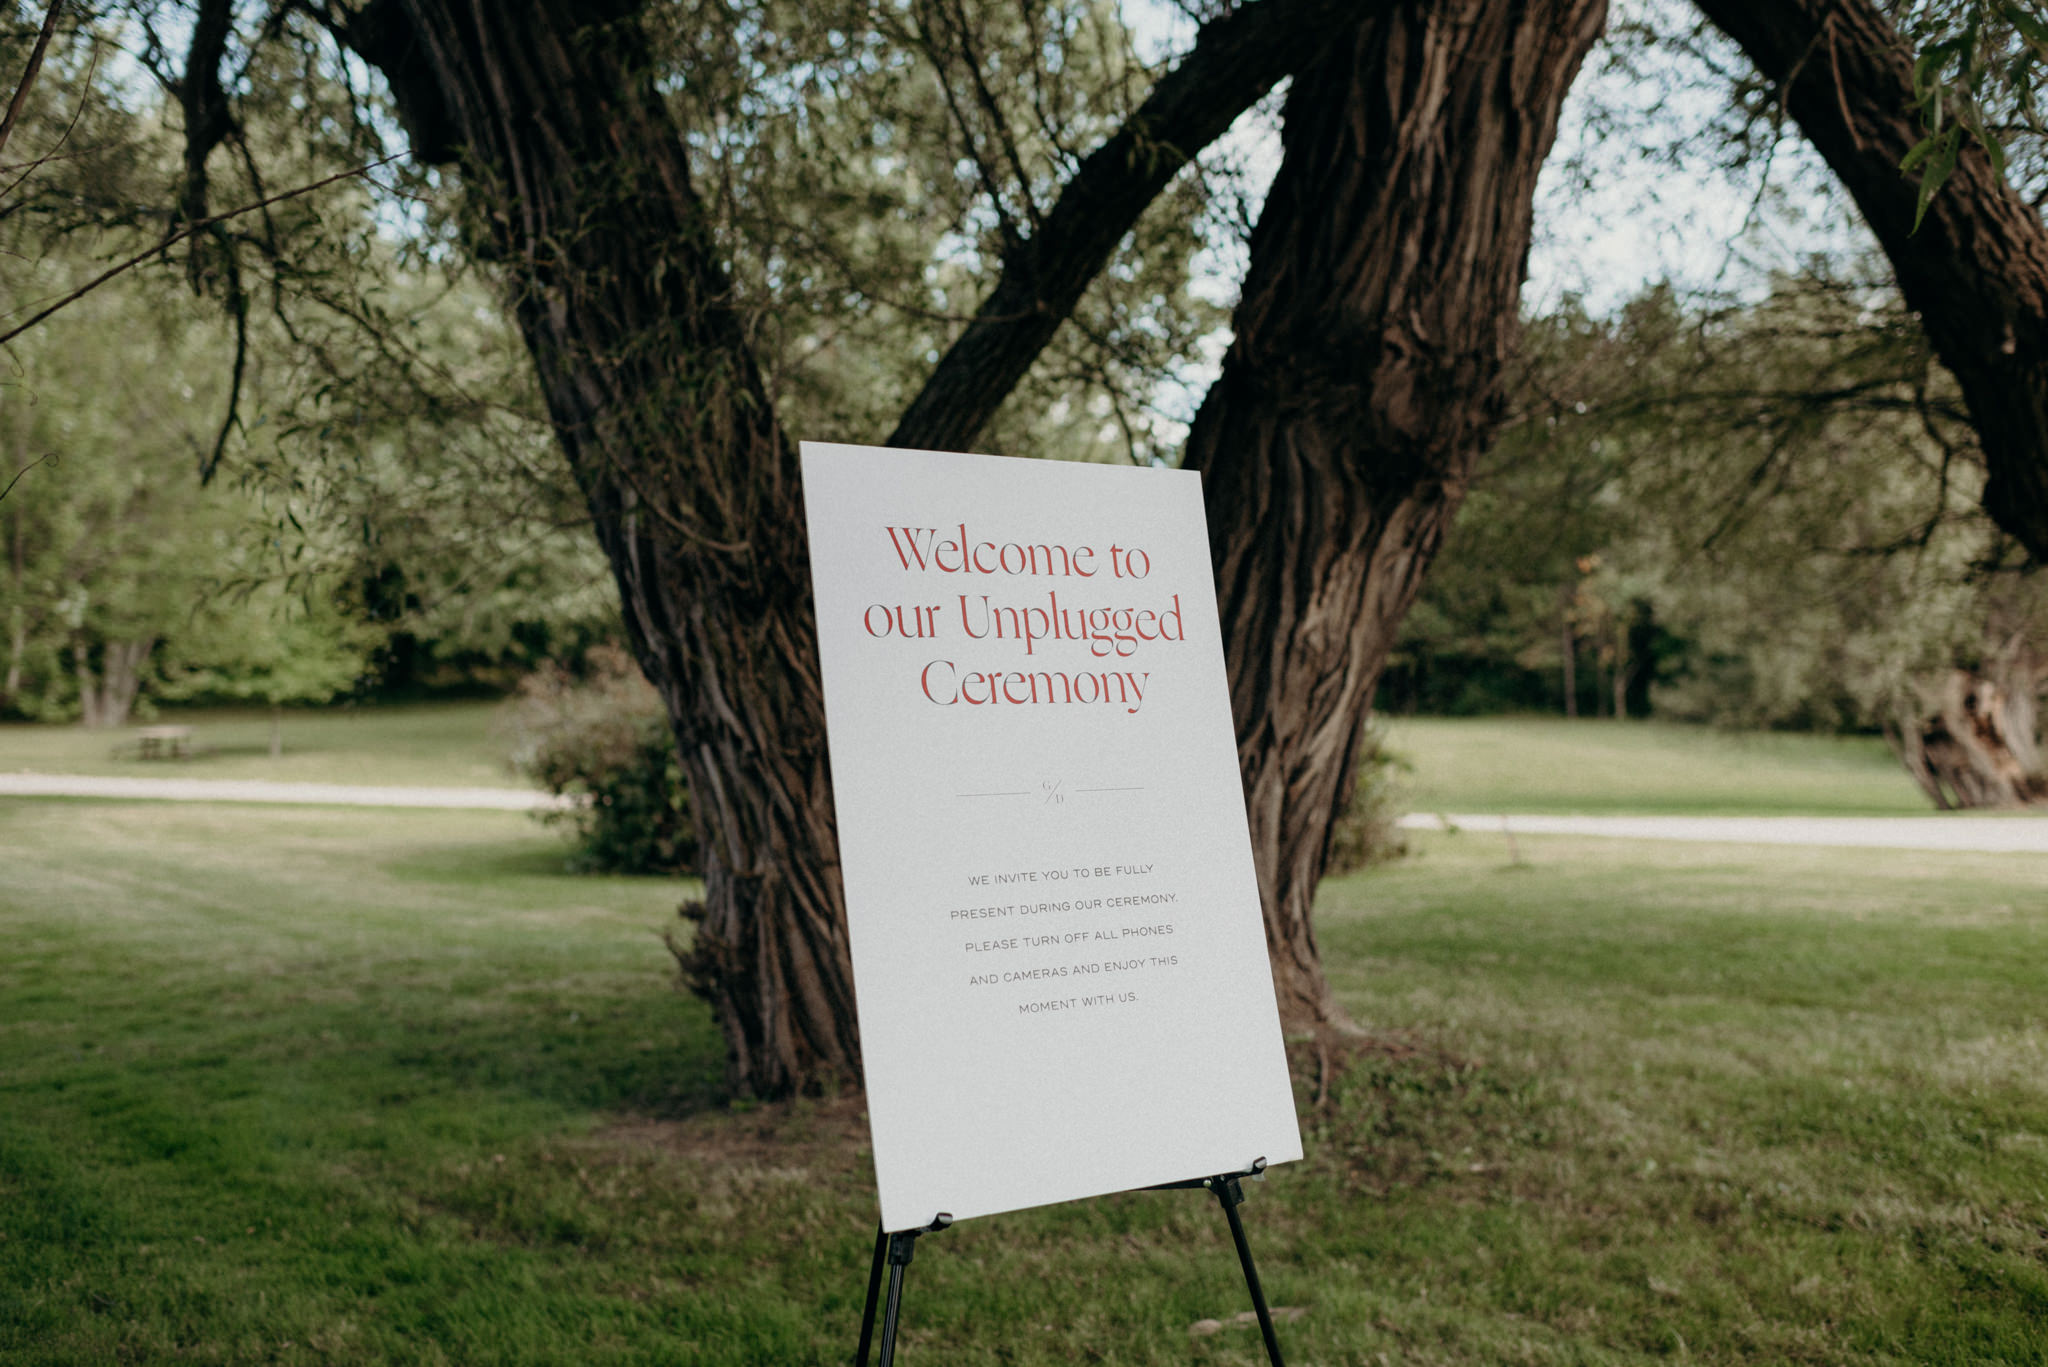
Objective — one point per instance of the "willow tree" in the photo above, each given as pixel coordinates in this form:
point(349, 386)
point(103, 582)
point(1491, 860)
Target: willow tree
point(1364, 378)
point(1382, 303)
point(581, 194)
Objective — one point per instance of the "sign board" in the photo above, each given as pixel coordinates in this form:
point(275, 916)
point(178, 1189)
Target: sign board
point(1058, 952)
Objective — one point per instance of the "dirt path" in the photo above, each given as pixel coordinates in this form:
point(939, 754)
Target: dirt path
point(1962, 834)
point(1965, 834)
point(262, 790)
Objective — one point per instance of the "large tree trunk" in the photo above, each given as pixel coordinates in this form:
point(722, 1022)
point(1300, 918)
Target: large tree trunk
point(1975, 742)
point(1976, 269)
point(17, 648)
point(1568, 656)
point(17, 617)
point(1364, 381)
point(121, 678)
point(107, 696)
point(88, 685)
point(576, 175)
point(1239, 56)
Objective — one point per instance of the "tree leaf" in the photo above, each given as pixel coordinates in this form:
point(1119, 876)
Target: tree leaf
point(1942, 161)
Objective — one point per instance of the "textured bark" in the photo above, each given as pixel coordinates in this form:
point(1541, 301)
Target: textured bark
point(203, 102)
point(1976, 743)
point(1364, 381)
point(575, 175)
point(1976, 270)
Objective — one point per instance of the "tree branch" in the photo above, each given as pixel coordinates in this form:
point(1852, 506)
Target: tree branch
point(175, 238)
point(47, 455)
point(1975, 268)
point(204, 101)
point(28, 76)
point(38, 163)
point(1235, 60)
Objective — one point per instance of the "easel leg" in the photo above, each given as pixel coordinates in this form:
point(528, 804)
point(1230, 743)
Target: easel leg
point(867, 1316)
point(900, 1248)
point(1231, 1195)
point(894, 1250)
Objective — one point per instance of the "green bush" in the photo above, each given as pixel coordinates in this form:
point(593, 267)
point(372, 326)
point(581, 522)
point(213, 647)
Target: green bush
point(603, 740)
point(1369, 832)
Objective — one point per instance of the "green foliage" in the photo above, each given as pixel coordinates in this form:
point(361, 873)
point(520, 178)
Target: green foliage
point(1976, 82)
point(351, 373)
point(1760, 516)
point(866, 183)
point(111, 542)
point(272, 649)
point(604, 741)
point(1369, 831)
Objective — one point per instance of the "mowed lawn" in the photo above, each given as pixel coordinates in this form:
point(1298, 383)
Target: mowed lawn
point(437, 744)
point(1549, 765)
point(316, 1086)
point(1480, 764)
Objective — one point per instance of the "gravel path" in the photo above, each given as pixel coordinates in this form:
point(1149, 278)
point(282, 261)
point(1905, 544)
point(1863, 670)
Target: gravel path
point(1964, 834)
point(1973, 834)
point(262, 790)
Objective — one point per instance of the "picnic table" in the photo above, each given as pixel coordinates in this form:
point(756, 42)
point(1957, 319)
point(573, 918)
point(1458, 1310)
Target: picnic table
point(163, 742)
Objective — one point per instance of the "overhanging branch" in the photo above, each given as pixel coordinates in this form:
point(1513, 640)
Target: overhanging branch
point(1235, 60)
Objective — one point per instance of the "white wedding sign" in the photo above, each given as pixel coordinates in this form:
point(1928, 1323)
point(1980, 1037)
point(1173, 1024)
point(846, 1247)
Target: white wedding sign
point(1058, 953)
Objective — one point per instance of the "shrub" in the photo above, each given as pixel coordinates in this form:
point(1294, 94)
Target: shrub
point(1369, 832)
point(604, 740)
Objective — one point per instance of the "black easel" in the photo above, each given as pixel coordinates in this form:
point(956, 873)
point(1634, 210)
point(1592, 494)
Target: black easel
point(894, 1252)
point(1230, 1195)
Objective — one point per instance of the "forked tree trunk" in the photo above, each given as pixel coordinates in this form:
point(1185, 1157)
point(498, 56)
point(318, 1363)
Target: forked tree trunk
point(1976, 740)
point(1363, 383)
point(578, 187)
point(1364, 380)
point(576, 176)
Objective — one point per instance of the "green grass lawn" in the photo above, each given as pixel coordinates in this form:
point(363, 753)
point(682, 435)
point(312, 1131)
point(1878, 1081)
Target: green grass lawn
point(292, 1086)
point(1549, 765)
point(419, 744)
